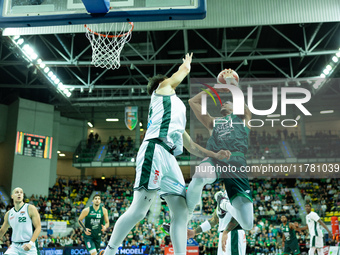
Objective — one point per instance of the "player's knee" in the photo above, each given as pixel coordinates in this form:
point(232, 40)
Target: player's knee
point(247, 223)
point(200, 180)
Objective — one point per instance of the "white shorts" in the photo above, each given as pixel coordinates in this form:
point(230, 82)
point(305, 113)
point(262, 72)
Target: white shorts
point(236, 243)
point(16, 249)
point(157, 169)
point(316, 241)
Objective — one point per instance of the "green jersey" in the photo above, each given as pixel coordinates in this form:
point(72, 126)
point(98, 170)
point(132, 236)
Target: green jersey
point(94, 221)
point(289, 233)
point(229, 133)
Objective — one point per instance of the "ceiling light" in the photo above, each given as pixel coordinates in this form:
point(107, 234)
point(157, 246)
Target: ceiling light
point(326, 111)
point(329, 67)
point(56, 81)
point(90, 124)
point(326, 71)
point(62, 155)
point(322, 75)
point(46, 70)
point(140, 124)
point(50, 74)
point(34, 56)
point(58, 152)
point(27, 49)
point(298, 117)
point(53, 78)
point(110, 119)
point(39, 61)
point(20, 41)
point(141, 130)
point(338, 54)
point(273, 115)
point(90, 90)
point(16, 37)
point(335, 59)
point(42, 65)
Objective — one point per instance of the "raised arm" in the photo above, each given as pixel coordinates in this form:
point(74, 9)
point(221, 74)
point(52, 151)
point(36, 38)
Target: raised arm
point(179, 76)
point(199, 151)
point(196, 106)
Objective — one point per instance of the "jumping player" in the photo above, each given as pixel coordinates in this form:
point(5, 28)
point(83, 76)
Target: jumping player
point(228, 133)
point(290, 244)
point(26, 226)
point(94, 216)
point(156, 165)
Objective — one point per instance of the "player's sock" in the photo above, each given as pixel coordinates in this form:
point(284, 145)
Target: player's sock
point(141, 203)
point(178, 230)
point(241, 210)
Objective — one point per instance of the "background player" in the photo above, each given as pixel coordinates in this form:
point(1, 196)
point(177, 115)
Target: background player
point(94, 216)
point(290, 244)
point(236, 242)
point(227, 137)
point(314, 224)
point(22, 218)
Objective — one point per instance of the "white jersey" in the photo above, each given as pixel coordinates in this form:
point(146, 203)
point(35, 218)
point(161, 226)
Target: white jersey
point(21, 224)
point(314, 226)
point(167, 120)
point(223, 223)
point(236, 242)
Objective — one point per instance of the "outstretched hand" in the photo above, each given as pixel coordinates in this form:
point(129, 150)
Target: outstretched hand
point(223, 154)
point(188, 58)
point(190, 233)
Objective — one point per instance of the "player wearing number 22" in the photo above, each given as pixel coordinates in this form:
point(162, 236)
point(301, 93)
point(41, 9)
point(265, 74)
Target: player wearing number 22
point(26, 226)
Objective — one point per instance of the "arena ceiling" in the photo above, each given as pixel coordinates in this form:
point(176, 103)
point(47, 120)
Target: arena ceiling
point(290, 53)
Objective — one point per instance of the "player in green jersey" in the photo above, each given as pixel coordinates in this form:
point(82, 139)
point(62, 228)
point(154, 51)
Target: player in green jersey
point(228, 132)
point(290, 244)
point(96, 222)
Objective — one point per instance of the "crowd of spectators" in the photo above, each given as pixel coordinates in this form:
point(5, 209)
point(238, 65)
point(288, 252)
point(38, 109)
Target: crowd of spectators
point(272, 199)
point(120, 145)
point(324, 193)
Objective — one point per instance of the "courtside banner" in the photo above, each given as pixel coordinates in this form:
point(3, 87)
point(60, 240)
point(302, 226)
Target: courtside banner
point(191, 250)
point(57, 226)
point(131, 117)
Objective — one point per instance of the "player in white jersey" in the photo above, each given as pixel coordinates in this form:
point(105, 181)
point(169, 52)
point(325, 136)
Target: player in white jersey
point(314, 224)
point(156, 165)
point(22, 218)
point(236, 243)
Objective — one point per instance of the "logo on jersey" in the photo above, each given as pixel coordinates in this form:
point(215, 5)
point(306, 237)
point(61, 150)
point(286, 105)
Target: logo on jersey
point(22, 212)
point(22, 219)
point(156, 176)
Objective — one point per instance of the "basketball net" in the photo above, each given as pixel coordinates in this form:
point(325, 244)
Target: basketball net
point(107, 41)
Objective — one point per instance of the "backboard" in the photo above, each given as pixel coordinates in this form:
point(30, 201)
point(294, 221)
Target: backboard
point(36, 13)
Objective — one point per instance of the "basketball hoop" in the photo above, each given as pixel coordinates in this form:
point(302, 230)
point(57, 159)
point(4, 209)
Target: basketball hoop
point(107, 41)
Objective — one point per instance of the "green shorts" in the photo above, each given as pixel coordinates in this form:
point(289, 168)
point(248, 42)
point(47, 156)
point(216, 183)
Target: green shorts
point(92, 243)
point(292, 247)
point(235, 181)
